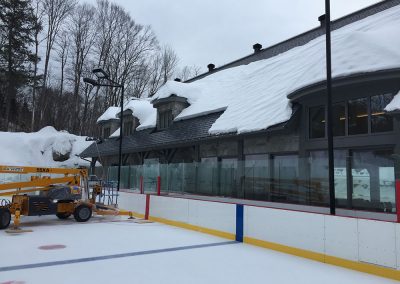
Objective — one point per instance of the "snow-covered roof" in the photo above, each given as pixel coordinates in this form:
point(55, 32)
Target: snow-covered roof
point(144, 111)
point(255, 95)
point(394, 104)
point(141, 108)
point(110, 113)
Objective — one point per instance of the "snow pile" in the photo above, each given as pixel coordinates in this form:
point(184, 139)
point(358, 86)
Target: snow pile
point(255, 95)
point(42, 148)
point(110, 113)
point(394, 104)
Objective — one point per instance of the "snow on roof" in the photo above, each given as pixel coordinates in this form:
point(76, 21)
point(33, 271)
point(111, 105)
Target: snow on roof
point(37, 148)
point(144, 111)
point(394, 104)
point(141, 108)
point(255, 95)
point(110, 113)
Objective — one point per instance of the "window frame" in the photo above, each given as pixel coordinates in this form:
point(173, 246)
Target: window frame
point(346, 100)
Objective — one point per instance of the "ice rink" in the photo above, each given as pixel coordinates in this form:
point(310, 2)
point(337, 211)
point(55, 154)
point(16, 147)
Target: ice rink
point(117, 250)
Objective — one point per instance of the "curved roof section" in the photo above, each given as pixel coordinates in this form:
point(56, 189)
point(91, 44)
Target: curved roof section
point(255, 95)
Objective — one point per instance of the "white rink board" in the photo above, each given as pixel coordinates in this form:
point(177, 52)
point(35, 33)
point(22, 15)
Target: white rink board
point(361, 240)
point(398, 245)
point(341, 237)
point(175, 209)
point(132, 201)
point(289, 228)
point(213, 215)
point(377, 242)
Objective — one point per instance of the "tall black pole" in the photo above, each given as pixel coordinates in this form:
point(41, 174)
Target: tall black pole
point(332, 205)
point(120, 137)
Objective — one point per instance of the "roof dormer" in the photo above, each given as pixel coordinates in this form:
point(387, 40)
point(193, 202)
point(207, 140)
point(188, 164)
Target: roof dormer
point(130, 122)
point(168, 109)
point(108, 122)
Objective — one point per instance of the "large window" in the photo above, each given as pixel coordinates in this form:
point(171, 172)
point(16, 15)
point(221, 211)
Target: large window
point(358, 116)
point(373, 183)
point(339, 119)
point(364, 179)
point(361, 116)
point(317, 122)
point(380, 121)
point(319, 185)
point(257, 178)
point(285, 179)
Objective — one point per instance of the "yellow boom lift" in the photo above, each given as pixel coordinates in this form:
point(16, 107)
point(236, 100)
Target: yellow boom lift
point(62, 195)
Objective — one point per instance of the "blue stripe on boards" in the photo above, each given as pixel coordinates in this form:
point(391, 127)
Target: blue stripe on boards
point(105, 257)
point(239, 222)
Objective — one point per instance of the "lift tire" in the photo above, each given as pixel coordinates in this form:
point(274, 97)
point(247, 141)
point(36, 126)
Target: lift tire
point(82, 213)
point(63, 216)
point(5, 218)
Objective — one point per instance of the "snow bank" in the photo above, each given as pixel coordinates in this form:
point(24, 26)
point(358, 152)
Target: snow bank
point(40, 148)
point(255, 95)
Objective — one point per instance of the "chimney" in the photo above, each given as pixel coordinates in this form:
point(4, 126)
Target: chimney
point(257, 47)
point(210, 67)
point(322, 20)
point(177, 80)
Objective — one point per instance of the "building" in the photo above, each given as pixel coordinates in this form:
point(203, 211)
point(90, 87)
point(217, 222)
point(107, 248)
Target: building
point(254, 129)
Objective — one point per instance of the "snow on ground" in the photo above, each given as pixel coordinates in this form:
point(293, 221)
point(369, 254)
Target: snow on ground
point(105, 237)
point(255, 95)
point(37, 148)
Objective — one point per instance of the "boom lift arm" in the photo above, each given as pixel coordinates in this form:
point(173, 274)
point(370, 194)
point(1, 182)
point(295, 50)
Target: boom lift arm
point(61, 195)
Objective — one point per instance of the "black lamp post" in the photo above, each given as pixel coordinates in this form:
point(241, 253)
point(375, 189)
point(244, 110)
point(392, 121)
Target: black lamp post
point(331, 177)
point(102, 75)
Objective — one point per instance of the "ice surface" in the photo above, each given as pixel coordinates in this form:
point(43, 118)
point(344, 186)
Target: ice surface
point(233, 263)
point(255, 95)
point(36, 149)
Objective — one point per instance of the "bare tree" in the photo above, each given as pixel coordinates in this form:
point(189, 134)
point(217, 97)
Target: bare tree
point(188, 72)
point(63, 50)
point(82, 40)
point(56, 11)
point(163, 68)
point(38, 27)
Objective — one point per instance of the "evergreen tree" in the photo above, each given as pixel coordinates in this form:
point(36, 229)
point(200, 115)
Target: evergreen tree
point(17, 27)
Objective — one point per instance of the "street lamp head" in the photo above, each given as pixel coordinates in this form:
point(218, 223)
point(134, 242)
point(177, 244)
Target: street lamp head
point(91, 81)
point(100, 73)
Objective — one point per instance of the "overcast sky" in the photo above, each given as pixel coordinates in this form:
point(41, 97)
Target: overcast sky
point(220, 31)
